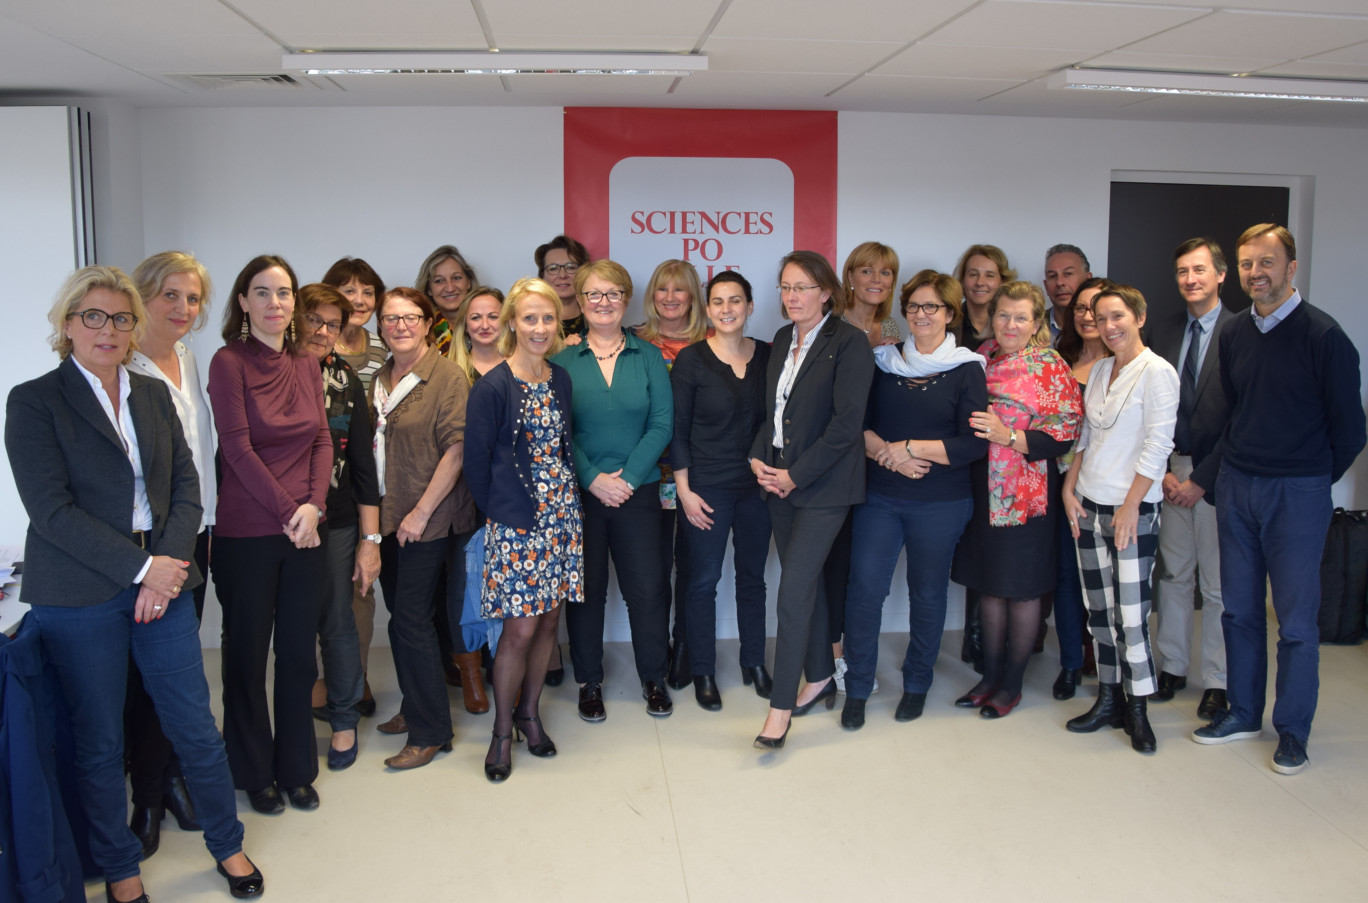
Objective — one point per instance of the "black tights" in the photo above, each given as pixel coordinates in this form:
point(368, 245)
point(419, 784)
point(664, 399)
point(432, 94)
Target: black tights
point(1009, 633)
point(519, 670)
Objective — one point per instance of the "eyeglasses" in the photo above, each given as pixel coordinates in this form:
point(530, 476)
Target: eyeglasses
point(569, 269)
point(94, 318)
point(316, 323)
point(614, 296)
point(409, 320)
point(798, 289)
point(1019, 320)
point(923, 308)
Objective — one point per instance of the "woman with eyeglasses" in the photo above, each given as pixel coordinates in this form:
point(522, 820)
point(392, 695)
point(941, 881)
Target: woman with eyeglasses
point(447, 278)
point(918, 496)
point(1112, 496)
point(418, 406)
point(351, 534)
point(809, 458)
point(112, 496)
point(1008, 552)
point(175, 288)
point(623, 412)
point(268, 563)
point(558, 261)
point(1080, 344)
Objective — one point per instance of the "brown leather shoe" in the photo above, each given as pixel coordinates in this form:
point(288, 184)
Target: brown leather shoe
point(396, 725)
point(472, 684)
point(415, 756)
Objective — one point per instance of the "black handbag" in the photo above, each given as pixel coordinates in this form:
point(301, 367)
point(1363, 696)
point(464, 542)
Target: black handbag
point(1344, 579)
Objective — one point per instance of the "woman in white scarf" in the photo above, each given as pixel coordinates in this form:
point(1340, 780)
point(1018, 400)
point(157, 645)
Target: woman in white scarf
point(919, 444)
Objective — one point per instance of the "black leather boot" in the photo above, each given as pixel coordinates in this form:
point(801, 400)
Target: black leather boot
point(146, 824)
point(1138, 726)
point(971, 650)
point(1107, 711)
point(176, 799)
point(680, 675)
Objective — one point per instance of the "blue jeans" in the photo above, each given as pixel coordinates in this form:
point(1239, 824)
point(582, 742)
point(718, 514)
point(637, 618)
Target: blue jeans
point(89, 648)
point(883, 526)
point(1071, 614)
point(1272, 528)
point(338, 641)
point(743, 514)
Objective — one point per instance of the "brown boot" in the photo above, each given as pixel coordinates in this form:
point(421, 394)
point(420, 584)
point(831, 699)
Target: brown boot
point(472, 684)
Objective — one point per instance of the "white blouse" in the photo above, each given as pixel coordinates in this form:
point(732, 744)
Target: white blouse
point(196, 419)
point(1127, 427)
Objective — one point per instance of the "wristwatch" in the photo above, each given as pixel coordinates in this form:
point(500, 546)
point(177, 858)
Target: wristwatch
point(371, 537)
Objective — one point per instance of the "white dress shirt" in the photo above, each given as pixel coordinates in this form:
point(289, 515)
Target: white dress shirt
point(789, 374)
point(196, 418)
point(1127, 428)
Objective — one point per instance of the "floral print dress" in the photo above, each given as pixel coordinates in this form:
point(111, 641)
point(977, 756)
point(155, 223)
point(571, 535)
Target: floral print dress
point(530, 572)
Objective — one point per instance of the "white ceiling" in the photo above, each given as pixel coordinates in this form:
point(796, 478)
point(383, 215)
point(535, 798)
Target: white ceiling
point(952, 56)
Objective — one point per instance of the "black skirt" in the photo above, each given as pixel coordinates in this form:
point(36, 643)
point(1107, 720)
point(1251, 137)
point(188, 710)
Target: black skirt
point(1013, 562)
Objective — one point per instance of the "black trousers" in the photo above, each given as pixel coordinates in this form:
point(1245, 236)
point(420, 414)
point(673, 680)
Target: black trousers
point(267, 588)
point(631, 533)
point(803, 536)
point(148, 755)
point(413, 578)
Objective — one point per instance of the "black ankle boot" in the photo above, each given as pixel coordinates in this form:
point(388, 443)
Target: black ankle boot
point(1107, 711)
point(681, 675)
point(971, 650)
point(1138, 726)
point(146, 825)
point(176, 799)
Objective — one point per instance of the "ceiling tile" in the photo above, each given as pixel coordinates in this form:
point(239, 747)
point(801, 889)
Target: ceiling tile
point(1180, 62)
point(1314, 69)
point(761, 89)
point(1081, 27)
point(542, 40)
point(351, 23)
point(822, 20)
point(1275, 35)
point(199, 53)
point(1357, 53)
point(606, 18)
point(122, 19)
point(976, 62)
point(911, 93)
point(759, 55)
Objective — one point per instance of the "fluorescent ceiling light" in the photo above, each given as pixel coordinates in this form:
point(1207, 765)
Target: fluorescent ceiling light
point(493, 62)
point(1200, 85)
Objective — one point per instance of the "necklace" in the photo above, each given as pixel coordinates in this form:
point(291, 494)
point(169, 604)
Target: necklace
point(603, 357)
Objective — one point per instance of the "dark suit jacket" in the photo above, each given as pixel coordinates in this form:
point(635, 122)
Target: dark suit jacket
point(76, 484)
point(1211, 410)
point(824, 416)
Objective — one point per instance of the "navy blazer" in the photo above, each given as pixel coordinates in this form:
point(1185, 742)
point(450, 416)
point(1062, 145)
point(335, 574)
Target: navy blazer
point(1211, 409)
point(76, 483)
point(824, 416)
point(497, 457)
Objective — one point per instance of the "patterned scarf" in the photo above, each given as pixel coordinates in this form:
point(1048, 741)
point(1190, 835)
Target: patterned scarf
point(1032, 389)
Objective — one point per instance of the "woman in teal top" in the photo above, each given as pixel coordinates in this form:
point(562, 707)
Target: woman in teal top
point(623, 412)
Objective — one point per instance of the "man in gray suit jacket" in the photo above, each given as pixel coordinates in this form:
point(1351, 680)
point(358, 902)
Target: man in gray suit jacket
point(1188, 542)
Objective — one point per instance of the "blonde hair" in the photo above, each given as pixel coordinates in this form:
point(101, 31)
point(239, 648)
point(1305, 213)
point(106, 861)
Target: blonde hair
point(680, 273)
point(608, 271)
point(73, 292)
point(871, 253)
point(151, 274)
point(508, 341)
point(993, 253)
point(1024, 291)
point(459, 351)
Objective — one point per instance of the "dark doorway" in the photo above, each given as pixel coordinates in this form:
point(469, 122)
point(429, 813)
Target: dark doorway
point(1149, 219)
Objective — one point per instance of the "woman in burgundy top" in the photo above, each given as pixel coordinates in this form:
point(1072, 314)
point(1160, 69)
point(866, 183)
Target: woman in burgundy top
point(268, 566)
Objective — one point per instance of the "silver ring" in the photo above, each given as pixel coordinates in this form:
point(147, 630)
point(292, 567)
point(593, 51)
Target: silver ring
point(157, 607)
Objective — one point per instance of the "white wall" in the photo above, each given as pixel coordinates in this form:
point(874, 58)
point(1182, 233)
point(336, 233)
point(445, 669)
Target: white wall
point(391, 184)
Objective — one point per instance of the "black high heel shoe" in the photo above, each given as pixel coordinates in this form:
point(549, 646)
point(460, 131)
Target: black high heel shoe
point(760, 677)
point(555, 676)
point(827, 693)
point(109, 896)
point(242, 886)
point(502, 766)
point(773, 743)
point(543, 750)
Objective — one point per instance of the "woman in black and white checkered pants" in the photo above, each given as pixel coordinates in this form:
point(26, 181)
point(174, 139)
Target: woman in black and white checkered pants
point(1112, 496)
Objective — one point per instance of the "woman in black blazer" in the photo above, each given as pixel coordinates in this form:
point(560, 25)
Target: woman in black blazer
point(112, 497)
point(809, 457)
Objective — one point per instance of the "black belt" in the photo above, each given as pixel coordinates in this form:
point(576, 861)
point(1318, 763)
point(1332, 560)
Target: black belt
point(1145, 507)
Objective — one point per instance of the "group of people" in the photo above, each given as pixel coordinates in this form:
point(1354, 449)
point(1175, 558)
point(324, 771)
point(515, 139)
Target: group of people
point(484, 456)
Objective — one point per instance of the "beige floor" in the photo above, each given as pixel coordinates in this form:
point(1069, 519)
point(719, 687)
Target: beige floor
point(949, 807)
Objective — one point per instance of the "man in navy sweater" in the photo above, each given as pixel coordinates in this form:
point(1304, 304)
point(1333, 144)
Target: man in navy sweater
point(1296, 424)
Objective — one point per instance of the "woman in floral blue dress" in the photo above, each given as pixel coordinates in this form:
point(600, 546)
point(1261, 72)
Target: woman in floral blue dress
point(519, 467)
